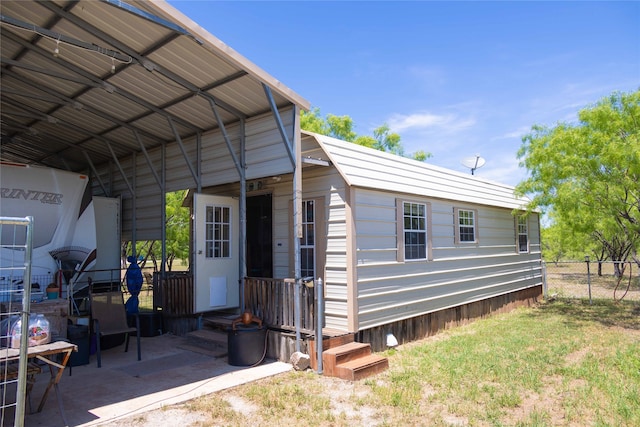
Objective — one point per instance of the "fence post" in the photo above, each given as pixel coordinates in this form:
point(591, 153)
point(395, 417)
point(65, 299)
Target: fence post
point(545, 286)
point(319, 322)
point(297, 310)
point(586, 259)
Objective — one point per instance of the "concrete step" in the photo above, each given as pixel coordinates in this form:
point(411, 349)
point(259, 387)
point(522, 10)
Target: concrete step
point(219, 322)
point(207, 341)
point(362, 367)
point(335, 356)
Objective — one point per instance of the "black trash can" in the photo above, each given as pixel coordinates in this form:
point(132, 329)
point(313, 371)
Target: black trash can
point(246, 345)
point(79, 335)
point(150, 323)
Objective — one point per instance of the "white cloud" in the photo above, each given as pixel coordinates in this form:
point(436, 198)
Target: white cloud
point(518, 133)
point(426, 120)
point(428, 77)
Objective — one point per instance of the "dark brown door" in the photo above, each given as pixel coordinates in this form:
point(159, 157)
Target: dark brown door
point(259, 236)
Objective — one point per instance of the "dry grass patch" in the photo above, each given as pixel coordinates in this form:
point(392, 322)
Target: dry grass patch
point(565, 363)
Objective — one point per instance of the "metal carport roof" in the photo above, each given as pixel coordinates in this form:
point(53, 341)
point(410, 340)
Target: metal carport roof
point(90, 82)
point(91, 86)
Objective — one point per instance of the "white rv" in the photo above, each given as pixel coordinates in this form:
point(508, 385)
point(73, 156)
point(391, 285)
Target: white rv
point(74, 235)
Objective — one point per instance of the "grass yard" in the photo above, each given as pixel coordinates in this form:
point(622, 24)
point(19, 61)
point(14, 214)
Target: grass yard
point(564, 363)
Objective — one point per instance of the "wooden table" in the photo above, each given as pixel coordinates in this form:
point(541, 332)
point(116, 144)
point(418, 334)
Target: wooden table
point(55, 310)
point(45, 353)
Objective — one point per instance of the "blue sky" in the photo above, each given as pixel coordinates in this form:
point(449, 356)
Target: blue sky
point(454, 78)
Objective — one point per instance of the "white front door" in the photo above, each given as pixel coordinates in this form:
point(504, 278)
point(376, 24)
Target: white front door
point(216, 252)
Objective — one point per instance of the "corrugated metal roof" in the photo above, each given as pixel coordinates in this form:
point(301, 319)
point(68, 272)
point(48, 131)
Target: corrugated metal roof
point(368, 168)
point(63, 107)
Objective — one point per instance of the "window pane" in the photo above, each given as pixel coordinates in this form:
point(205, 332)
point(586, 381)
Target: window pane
point(310, 237)
point(415, 227)
point(218, 232)
point(523, 235)
point(466, 226)
point(524, 247)
point(208, 232)
point(307, 242)
point(467, 234)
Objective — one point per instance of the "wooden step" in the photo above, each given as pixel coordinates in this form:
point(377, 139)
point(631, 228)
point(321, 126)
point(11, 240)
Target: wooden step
point(341, 354)
point(332, 339)
point(362, 367)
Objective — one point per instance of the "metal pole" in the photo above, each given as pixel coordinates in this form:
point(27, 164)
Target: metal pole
point(21, 394)
point(242, 247)
point(586, 259)
point(297, 311)
point(545, 289)
point(297, 224)
point(319, 322)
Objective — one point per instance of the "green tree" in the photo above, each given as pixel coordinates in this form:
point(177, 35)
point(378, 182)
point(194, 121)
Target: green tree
point(553, 245)
point(177, 228)
point(589, 173)
point(177, 236)
point(342, 127)
point(560, 242)
point(313, 122)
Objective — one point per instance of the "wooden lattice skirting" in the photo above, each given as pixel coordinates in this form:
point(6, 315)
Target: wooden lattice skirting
point(429, 324)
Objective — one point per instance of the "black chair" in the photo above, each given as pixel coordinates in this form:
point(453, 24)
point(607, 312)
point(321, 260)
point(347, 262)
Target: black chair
point(109, 317)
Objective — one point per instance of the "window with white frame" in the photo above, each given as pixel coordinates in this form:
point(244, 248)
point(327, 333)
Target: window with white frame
point(466, 227)
point(218, 232)
point(415, 230)
point(308, 240)
point(523, 235)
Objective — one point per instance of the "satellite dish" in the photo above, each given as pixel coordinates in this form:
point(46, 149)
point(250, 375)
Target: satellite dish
point(473, 162)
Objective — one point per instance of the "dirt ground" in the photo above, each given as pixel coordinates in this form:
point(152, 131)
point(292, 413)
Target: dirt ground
point(566, 280)
point(341, 395)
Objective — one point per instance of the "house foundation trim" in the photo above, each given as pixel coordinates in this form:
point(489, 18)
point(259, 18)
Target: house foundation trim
point(420, 327)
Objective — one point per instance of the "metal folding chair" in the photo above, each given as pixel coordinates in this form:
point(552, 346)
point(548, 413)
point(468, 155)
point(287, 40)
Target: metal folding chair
point(109, 317)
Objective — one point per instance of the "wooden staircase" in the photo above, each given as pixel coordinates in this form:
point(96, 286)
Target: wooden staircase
point(344, 358)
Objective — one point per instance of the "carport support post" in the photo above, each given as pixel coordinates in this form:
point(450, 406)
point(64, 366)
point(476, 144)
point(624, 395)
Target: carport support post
point(294, 150)
point(297, 220)
point(243, 216)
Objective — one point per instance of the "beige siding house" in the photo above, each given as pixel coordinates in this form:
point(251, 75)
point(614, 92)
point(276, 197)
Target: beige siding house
point(395, 240)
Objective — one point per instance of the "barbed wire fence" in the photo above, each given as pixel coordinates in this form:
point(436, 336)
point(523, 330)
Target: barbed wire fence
point(592, 280)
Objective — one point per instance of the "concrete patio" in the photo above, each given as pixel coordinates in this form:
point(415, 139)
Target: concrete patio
point(172, 370)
